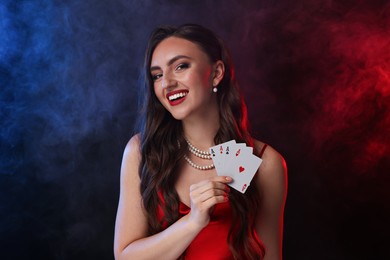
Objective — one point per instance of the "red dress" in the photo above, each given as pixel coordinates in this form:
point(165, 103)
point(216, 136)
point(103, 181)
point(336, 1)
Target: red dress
point(211, 243)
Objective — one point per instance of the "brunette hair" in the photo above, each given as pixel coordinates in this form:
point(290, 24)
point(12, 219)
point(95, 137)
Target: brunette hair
point(161, 134)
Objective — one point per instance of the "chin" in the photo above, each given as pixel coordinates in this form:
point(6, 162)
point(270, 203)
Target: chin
point(179, 115)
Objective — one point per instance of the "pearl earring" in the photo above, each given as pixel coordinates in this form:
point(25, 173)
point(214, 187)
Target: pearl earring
point(215, 90)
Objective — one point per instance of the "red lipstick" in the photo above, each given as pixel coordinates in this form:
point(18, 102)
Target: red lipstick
point(176, 97)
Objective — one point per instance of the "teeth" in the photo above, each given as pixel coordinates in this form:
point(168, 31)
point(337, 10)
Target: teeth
point(177, 95)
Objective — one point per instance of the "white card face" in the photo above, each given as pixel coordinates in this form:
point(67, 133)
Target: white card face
point(244, 167)
point(235, 150)
point(241, 148)
point(219, 154)
point(237, 161)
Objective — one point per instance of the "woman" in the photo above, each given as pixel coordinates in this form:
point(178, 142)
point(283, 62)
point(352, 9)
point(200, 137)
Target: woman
point(172, 202)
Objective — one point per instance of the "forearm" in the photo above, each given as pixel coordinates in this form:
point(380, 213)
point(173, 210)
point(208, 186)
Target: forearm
point(168, 244)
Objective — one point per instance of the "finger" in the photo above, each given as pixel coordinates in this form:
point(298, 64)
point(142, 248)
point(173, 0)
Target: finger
point(210, 194)
point(206, 186)
point(223, 179)
point(212, 201)
point(209, 191)
point(205, 201)
point(203, 184)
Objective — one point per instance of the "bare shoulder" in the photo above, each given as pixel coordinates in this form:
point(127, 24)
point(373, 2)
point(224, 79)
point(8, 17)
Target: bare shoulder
point(272, 174)
point(131, 160)
point(133, 147)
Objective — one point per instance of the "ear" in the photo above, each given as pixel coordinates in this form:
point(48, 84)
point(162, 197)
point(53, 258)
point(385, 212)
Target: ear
point(218, 72)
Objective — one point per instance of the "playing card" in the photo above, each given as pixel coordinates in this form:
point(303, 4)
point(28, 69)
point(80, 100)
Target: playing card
point(241, 149)
point(237, 161)
point(220, 155)
point(243, 168)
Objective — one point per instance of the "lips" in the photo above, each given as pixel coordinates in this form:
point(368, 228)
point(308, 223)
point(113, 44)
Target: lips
point(176, 97)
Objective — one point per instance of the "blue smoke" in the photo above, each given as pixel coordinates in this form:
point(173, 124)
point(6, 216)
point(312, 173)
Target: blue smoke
point(62, 111)
point(60, 77)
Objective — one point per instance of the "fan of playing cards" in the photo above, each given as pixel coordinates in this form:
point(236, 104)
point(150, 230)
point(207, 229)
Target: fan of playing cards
point(237, 161)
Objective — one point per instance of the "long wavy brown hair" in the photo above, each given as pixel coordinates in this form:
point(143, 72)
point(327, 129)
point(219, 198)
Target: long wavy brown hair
point(161, 154)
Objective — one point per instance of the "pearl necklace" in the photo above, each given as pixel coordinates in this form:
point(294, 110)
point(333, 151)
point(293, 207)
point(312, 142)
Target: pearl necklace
point(198, 153)
point(202, 168)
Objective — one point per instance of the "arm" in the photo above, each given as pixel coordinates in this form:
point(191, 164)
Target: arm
point(272, 184)
point(131, 240)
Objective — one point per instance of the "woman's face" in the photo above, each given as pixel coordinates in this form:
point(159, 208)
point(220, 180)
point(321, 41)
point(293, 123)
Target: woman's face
point(183, 78)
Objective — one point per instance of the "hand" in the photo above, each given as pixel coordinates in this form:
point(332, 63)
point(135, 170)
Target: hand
point(204, 196)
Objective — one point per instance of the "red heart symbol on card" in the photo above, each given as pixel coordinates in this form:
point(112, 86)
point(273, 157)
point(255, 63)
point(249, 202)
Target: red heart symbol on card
point(241, 169)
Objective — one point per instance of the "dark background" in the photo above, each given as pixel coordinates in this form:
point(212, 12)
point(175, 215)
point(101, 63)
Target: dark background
point(315, 74)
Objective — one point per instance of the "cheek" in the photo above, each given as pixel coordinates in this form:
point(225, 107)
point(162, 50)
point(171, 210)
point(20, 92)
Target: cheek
point(208, 79)
point(159, 93)
point(204, 78)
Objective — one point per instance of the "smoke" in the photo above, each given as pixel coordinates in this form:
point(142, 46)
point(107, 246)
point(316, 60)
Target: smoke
point(320, 71)
point(316, 78)
point(353, 103)
point(63, 121)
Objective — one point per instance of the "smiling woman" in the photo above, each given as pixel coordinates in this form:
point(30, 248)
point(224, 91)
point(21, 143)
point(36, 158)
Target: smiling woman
point(170, 193)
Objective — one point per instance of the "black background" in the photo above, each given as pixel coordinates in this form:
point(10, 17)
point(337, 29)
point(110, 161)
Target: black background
point(315, 74)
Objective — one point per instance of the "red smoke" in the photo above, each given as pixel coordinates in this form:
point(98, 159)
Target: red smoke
point(354, 100)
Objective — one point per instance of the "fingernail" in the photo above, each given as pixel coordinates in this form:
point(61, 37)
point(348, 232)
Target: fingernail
point(228, 178)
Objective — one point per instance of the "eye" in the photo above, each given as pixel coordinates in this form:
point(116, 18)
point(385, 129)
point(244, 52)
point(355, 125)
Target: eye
point(182, 66)
point(156, 76)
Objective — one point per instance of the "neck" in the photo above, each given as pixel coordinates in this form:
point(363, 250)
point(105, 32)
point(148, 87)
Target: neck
point(200, 131)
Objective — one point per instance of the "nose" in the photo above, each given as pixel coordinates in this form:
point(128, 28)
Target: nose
point(168, 81)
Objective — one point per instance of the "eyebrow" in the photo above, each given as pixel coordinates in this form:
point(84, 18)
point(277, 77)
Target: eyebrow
point(171, 61)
